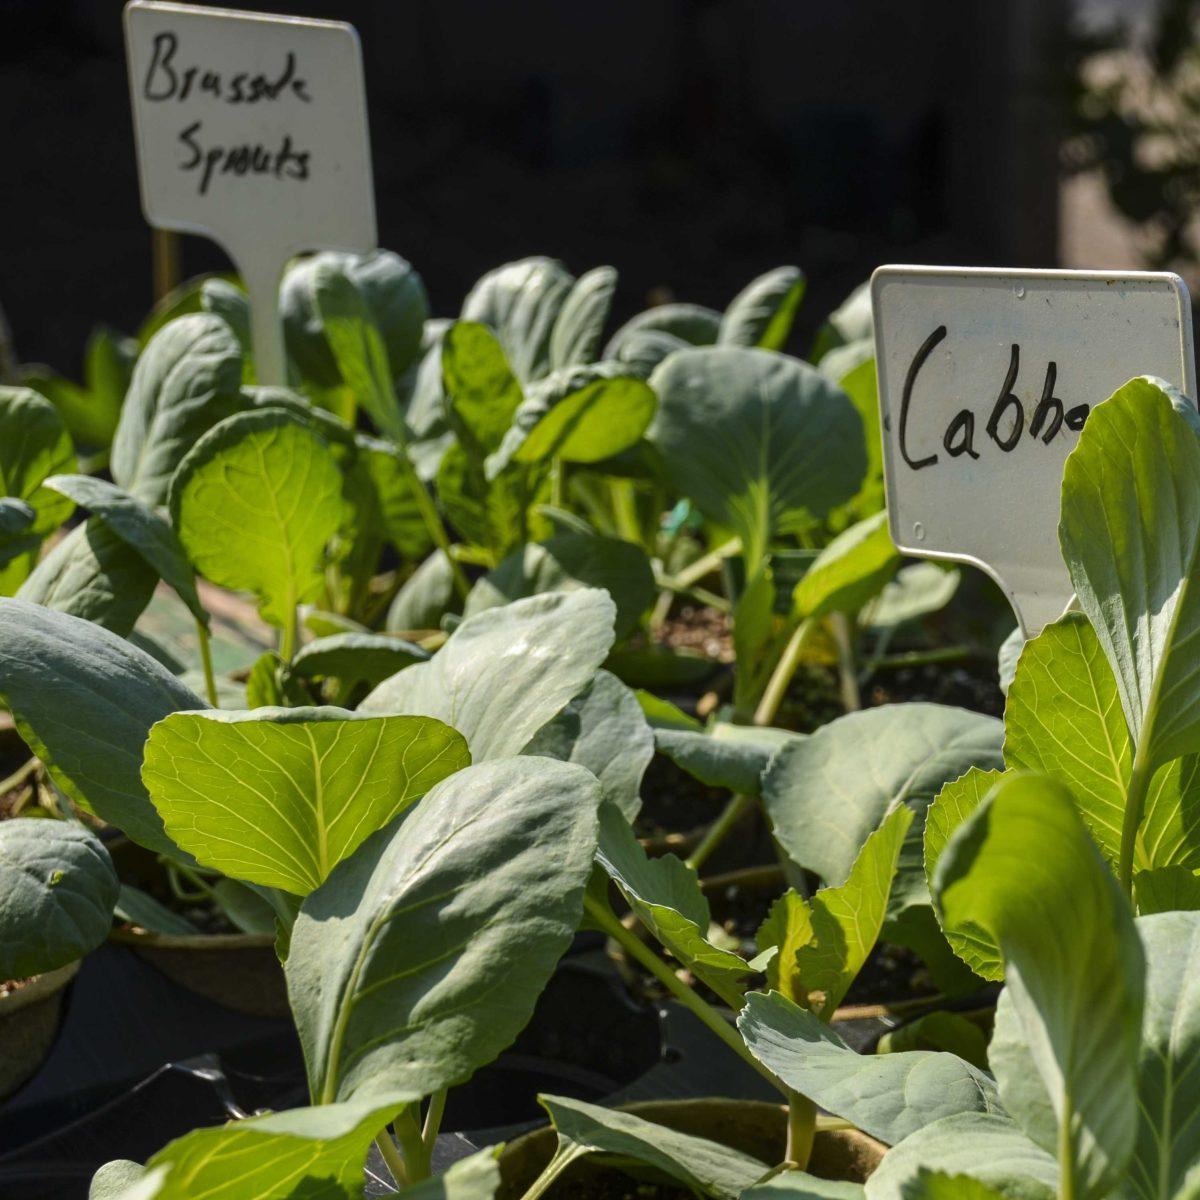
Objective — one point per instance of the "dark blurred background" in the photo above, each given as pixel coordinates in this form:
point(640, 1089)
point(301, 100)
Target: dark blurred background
point(691, 143)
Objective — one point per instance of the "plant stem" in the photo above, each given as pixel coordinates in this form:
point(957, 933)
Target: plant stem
point(558, 482)
point(432, 519)
point(632, 945)
point(672, 584)
point(1135, 801)
point(696, 571)
point(289, 635)
point(781, 677)
point(1066, 1151)
point(433, 1119)
point(738, 807)
point(210, 682)
point(801, 1128)
point(391, 1156)
point(624, 502)
point(843, 637)
point(563, 1157)
point(412, 1146)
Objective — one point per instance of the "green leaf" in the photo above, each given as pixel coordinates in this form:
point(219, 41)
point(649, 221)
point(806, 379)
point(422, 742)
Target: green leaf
point(703, 1167)
point(57, 891)
point(399, 513)
point(851, 321)
point(580, 414)
point(643, 349)
point(916, 591)
point(1023, 870)
point(256, 502)
point(317, 1152)
point(1167, 1154)
point(575, 339)
point(505, 672)
point(1166, 889)
point(138, 525)
point(421, 957)
point(985, 1147)
point(34, 445)
point(691, 324)
point(725, 755)
point(94, 574)
point(427, 594)
point(355, 658)
point(520, 302)
point(84, 701)
point(888, 1096)
point(141, 909)
point(1130, 533)
point(850, 571)
point(937, 1185)
point(846, 918)
point(952, 806)
point(473, 1178)
point(826, 793)
point(800, 1185)
point(280, 796)
point(939, 1031)
point(852, 368)
point(602, 729)
point(123, 1179)
point(665, 895)
point(761, 314)
point(229, 302)
point(758, 441)
point(187, 379)
point(481, 392)
point(567, 562)
point(392, 294)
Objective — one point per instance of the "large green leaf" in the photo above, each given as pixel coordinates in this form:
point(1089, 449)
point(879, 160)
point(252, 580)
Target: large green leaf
point(575, 339)
point(800, 1185)
point(1130, 533)
point(481, 392)
point(138, 525)
point(1023, 869)
point(1166, 1160)
point(94, 574)
point(758, 441)
point(256, 502)
point(421, 957)
point(952, 806)
point(1166, 889)
point(705, 1168)
point(567, 562)
point(986, 1147)
point(581, 414)
point(84, 701)
point(725, 755)
point(665, 895)
point(391, 292)
point(826, 793)
point(280, 796)
point(312, 1153)
point(34, 444)
point(57, 891)
point(521, 302)
point(604, 730)
point(761, 314)
point(506, 671)
point(888, 1096)
point(186, 380)
point(851, 570)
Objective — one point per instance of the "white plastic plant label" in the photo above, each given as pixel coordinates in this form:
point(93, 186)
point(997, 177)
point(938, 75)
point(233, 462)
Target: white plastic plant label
point(252, 130)
point(985, 380)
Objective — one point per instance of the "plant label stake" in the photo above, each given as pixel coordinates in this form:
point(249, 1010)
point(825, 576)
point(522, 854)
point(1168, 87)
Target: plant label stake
point(985, 380)
point(252, 130)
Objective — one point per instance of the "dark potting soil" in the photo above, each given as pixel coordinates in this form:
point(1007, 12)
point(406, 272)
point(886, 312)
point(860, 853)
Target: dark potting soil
point(701, 629)
point(973, 684)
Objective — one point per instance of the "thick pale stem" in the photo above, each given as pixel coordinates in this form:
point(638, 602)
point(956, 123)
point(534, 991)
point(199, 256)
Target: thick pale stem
point(696, 571)
point(289, 635)
point(632, 945)
point(801, 1128)
point(391, 1156)
point(1135, 803)
point(412, 1145)
point(781, 677)
point(737, 808)
point(843, 635)
point(433, 1120)
point(210, 682)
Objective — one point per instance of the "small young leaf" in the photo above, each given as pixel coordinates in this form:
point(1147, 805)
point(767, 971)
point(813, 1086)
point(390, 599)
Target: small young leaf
point(421, 957)
point(725, 755)
point(702, 1166)
point(689, 324)
point(937, 1185)
point(507, 671)
point(916, 591)
point(939, 1031)
point(427, 594)
point(761, 314)
point(575, 339)
point(279, 797)
point(256, 502)
point(481, 392)
point(355, 658)
point(57, 891)
point(34, 445)
point(888, 1096)
point(850, 571)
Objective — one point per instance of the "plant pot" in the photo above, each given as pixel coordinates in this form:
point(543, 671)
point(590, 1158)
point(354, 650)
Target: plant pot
point(753, 1127)
point(238, 970)
point(29, 1020)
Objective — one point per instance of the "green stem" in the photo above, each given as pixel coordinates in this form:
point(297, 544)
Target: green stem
point(801, 1129)
point(210, 682)
point(289, 635)
point(1066, 1152)
point(432, 519)
point(391, 1156)
point(843, 637)
point(1135, 803)
point(632, 945)
point(558, 482)
point(781, 677)
point(433, 1119)
point(563, 1157)
point(702, 595)
point(412, 1146)
point(696, 571)
point(624, 503)
point(738, 807)
point(914, 658)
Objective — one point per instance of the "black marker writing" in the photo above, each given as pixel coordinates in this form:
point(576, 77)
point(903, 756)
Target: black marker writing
point(167, 81)
point(285, 162)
